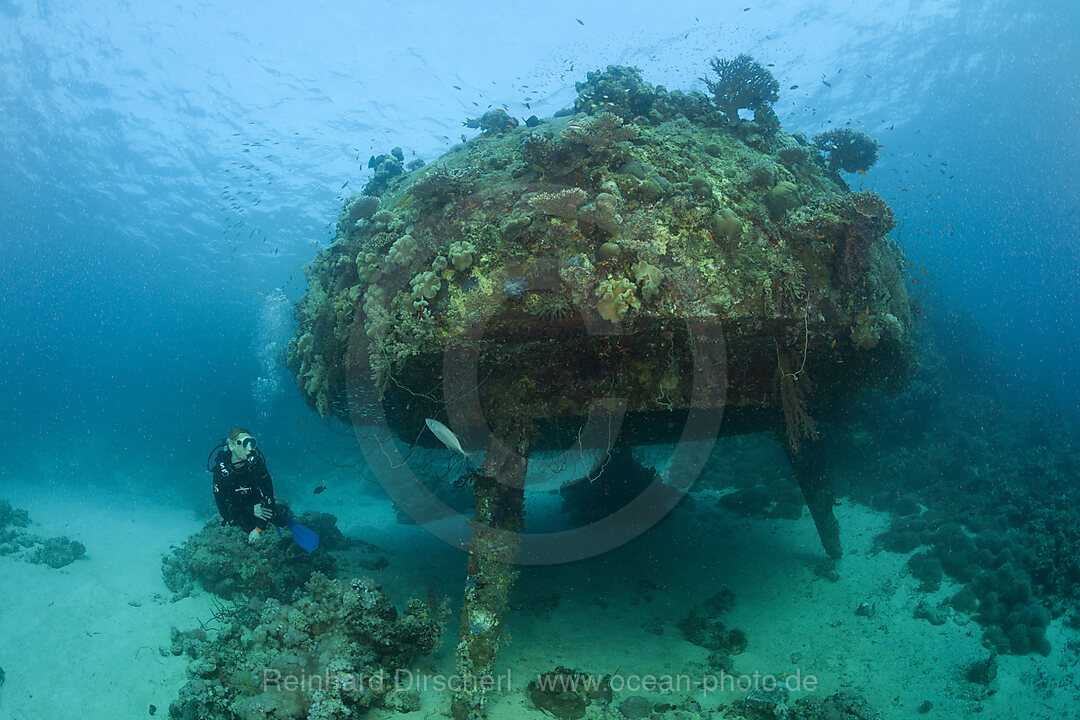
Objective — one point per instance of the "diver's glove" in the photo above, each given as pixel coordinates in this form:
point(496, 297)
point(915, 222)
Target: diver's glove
point(263, 513)
point(254, 535)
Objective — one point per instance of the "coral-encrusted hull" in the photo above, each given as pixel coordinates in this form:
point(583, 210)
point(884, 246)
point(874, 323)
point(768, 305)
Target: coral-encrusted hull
point(650, 369)
point(572, 231)
point(627, 274)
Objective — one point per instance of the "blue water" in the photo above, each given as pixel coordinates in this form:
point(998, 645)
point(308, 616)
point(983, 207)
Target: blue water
point(167, 169)
point(164, 168)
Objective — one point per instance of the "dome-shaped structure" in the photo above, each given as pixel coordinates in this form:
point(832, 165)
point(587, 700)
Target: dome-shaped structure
point(644, 246)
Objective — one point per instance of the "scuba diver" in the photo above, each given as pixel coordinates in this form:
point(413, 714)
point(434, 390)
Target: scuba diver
point(243, 489)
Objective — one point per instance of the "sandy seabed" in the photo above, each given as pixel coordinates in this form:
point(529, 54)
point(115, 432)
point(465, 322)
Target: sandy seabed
point(83, 641)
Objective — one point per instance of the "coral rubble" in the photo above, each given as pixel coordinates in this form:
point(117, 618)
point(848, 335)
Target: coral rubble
point(56, 552)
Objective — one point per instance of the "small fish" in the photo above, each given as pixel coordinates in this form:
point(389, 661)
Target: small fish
point(825, 82)
point(746, 9)
point(321, 488)
point(456, 87)
point(445, 436)
point(579, 21)
point(793, 87)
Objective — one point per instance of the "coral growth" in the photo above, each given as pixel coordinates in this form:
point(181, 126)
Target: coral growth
point(462, 254)
point(358, 207)
point(646, 205)
point(838, 706)
point(869, 219)
point(9, 515)
point(781, 198)
point(493, 122)
point(727, 225)
point(599, 131)
point(616, 298)
point(335, 650)
point(219, 560)
point(369, 267)
point(850, 224)
point(404, 252)
point(566, 694)
point(795, 385)
point(848, 150)
point(617, 89)
point(644, 221)
point(702, 626)
point(386, 167)
point(648, 278)
point(561, 203)
point(550, 306)
point(425, 286)
point(995, 591)
point(603, 213)
point(742, 84)
point(56, 552)
point(439, 184)
point(793, 156)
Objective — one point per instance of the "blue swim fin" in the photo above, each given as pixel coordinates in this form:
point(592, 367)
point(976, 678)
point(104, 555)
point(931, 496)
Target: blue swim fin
point(303, 536)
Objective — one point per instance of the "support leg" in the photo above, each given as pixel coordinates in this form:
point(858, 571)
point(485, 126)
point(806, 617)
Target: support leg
point(806, 462)
point(500, 505)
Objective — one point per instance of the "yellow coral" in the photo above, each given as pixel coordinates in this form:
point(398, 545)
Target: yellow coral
point(649, 278)
point(616, 298)
point(461, 254)
point(368, 267)
point(404, 251)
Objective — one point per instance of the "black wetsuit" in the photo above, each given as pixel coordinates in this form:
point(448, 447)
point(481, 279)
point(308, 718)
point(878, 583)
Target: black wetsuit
point(239, 488)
